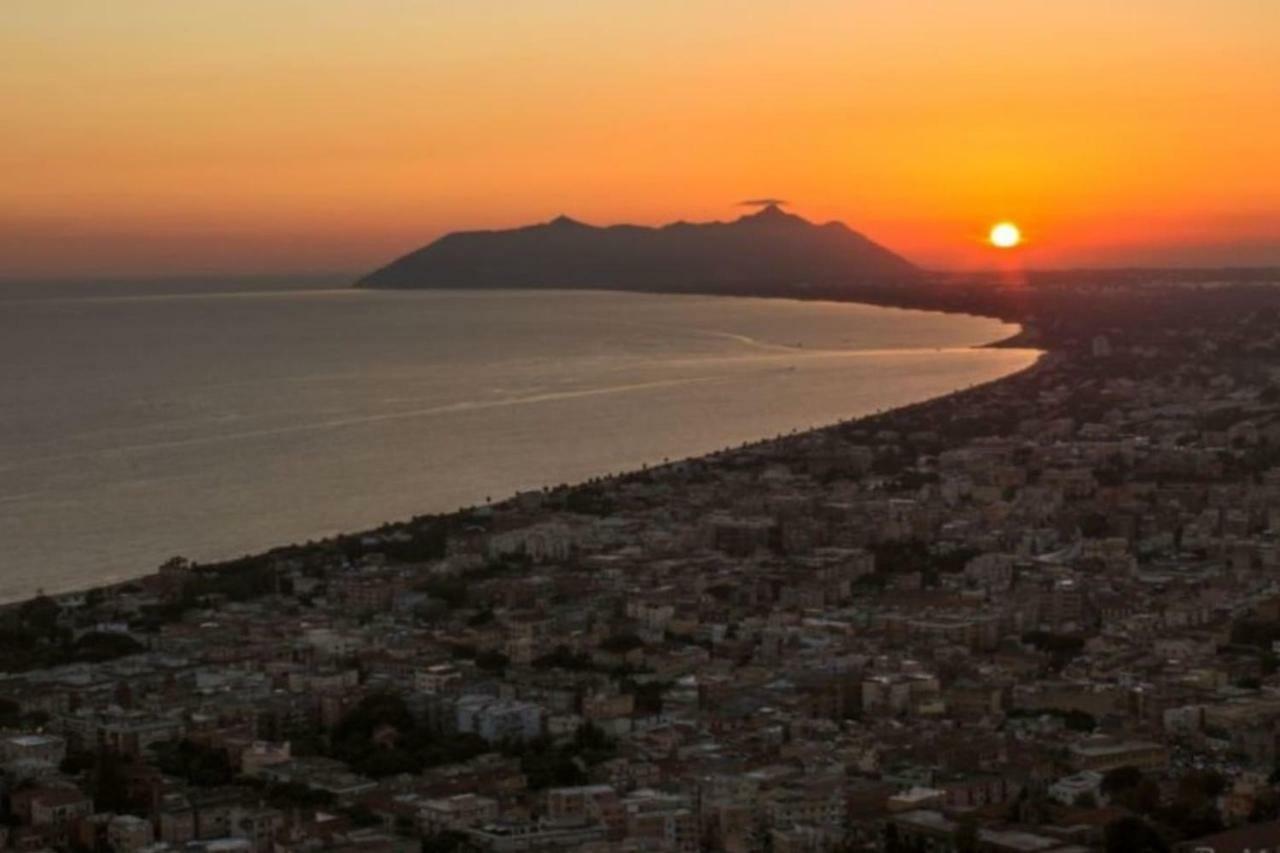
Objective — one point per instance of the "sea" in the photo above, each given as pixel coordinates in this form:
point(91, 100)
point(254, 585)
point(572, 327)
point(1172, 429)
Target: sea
point(210, 421)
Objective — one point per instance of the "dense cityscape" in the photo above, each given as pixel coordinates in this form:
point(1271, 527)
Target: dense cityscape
point(1039, 615)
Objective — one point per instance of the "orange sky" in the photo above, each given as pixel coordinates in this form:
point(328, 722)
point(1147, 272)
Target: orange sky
point(152, 136)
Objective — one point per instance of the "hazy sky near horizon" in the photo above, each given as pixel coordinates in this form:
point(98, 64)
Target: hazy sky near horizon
point(224, 136)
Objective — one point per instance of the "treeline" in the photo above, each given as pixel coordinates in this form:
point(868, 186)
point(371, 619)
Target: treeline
point(907, 556)
point(35, 635)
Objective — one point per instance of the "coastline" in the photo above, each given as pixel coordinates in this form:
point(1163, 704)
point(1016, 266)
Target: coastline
point(124, 584)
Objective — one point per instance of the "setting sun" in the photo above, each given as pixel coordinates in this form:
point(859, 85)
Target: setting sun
point(1005, 235)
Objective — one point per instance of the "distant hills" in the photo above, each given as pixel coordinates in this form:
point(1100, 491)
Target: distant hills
point(768, 252)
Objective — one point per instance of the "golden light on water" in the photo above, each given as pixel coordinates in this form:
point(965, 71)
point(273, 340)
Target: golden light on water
point(1005, 235)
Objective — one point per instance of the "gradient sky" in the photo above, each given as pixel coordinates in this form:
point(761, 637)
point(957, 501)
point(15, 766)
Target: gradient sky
point(153, 136)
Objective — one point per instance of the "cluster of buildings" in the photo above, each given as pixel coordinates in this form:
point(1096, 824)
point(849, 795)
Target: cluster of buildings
point(1019, 619)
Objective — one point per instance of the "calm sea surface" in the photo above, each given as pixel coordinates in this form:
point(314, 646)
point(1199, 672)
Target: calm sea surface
point(134, 427)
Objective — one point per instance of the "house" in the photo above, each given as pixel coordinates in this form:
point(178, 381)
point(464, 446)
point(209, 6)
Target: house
point(128, 834)
point(456, 813)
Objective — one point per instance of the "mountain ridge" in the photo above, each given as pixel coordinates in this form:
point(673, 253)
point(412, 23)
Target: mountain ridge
point(767, 251)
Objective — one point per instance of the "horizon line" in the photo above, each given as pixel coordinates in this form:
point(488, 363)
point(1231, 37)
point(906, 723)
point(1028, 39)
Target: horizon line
point(302, 274)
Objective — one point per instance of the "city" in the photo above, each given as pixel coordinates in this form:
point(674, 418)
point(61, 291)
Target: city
point(1036, 615)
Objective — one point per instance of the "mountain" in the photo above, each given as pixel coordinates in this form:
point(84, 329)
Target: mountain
point(770, 251)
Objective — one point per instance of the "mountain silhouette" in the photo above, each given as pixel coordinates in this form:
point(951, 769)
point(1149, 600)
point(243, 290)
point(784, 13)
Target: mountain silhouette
point(769, 251)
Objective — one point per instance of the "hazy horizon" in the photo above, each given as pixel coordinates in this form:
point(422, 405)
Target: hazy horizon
point(235, 138)
point(338, 278)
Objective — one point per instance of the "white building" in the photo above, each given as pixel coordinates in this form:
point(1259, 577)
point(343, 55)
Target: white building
point(127, 834)
point(498, 719)
point(1070, 788)
point(50, 748)
point(456, 813)
point(434, 679)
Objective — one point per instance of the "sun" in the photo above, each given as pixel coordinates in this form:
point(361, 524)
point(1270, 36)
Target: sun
point(1005, 235)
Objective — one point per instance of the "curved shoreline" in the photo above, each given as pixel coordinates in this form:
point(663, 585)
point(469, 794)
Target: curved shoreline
point(72, 591)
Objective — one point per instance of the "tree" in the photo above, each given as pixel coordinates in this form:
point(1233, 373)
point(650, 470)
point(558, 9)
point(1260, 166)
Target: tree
point(649, 696)
point(98, 646)
point(1195, 822)
point(196, 763)
point(1197, 786)
point(380, 737)
point(108, 782)
point(1094, 526)
point(620, 644)
point(444, 842)
point(711, 837)
point(492, 661)
point(296, 795)
point(1062, 648)
point(354, 742)
point(39, 615)
point(76, 763)
point(1080, 721)
point(1146, 797)
point(362, 816)
point(1266, 806)
point(966, 839)
point(1120, 779)
point(1133, 835)
point(547, 764)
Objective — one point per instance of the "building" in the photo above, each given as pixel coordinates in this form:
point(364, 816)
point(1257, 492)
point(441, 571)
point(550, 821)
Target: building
point(588, 803)
point(498, 719)
point(50, 748)
point(666, 821)
point(456, 813)
point(516, 837)
point(128, 834)
point(434, 679)
point(1101, 755)
point(262, 754)
point(1069, 789)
